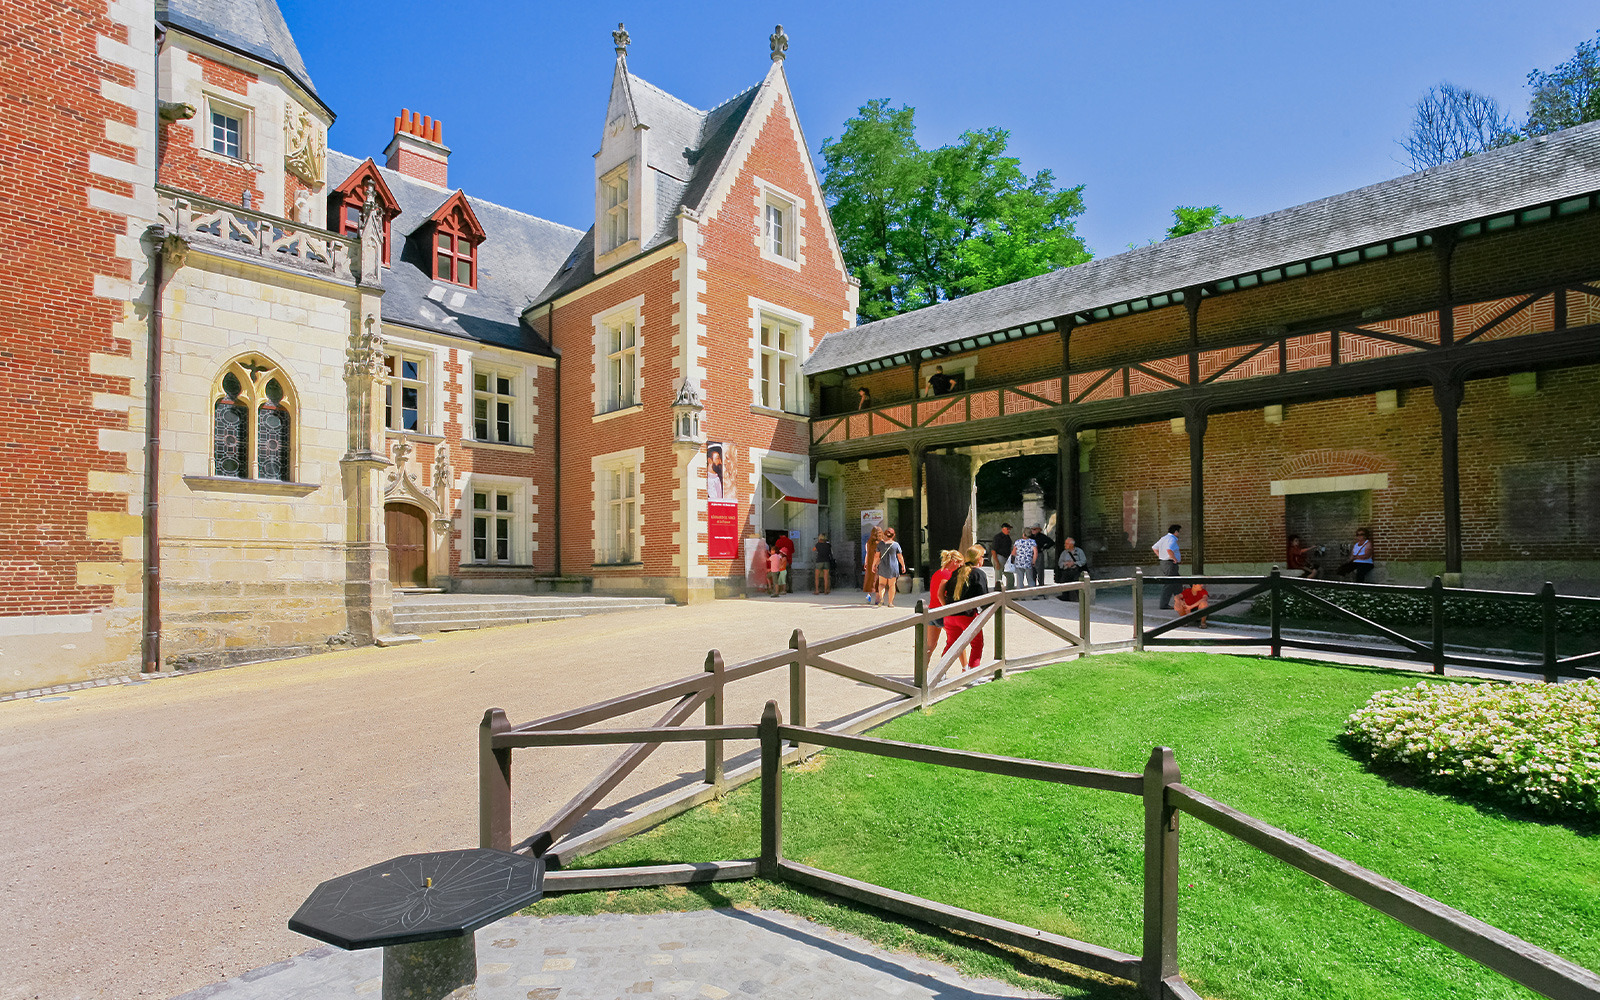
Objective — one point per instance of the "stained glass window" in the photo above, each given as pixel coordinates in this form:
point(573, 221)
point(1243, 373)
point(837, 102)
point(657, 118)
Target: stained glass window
point(272, 425)
point(231, 431)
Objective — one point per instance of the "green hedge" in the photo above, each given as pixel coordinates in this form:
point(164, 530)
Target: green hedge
point(1400, 610)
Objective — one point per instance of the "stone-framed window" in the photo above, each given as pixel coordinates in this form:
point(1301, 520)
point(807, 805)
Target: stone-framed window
point(252, 422)
point(778, 228)
point(406, 398)
point(614, 189)
point(494, 519)
point(778, 382)
point(618, 507)
point(618, 358)
point(226, 130)
point(779, 225)
point(494, 403)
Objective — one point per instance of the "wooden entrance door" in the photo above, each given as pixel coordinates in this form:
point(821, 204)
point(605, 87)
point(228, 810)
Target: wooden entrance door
point(407, 532)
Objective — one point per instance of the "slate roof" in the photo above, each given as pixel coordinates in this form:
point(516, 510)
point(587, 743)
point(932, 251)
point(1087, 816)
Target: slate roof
point(253, 27)
point(1562, 165)
point(516, 259)
point(687, 146)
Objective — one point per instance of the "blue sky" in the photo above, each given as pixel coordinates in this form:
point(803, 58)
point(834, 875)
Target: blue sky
point(1149, 105)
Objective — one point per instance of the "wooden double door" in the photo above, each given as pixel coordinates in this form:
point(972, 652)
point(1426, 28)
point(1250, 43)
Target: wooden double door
point(406, 530)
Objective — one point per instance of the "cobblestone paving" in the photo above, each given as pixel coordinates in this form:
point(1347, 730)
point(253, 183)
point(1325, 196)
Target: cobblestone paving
point(703, 954)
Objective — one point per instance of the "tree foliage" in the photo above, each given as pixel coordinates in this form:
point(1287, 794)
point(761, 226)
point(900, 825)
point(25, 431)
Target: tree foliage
point(1568, 94)
point(921, 226)
point(1450, 122)
point(1188, 219)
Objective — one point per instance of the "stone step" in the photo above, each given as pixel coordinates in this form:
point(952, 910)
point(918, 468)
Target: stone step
point(423, 626)
point(553, 601)
point(418, 615)
point(564, 607)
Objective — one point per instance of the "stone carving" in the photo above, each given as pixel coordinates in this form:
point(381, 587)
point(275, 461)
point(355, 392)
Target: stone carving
point(441, 472)
point(620, 39)
point(176, 250)
point(364, 372)
point(302, 207)
point(370, 250)
point(175, 111)
point(780, 44)
point(402, 454)
point(688, 395)
point(305, 145)
point(364, 358)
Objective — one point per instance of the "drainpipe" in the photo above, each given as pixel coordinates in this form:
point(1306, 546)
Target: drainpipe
point(151, 657)
point(556, 453)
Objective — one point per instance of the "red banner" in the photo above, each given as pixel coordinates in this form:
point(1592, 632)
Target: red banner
point(723, 520)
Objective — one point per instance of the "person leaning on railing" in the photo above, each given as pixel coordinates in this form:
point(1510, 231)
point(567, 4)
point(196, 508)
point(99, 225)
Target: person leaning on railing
point(967, 583)
point(949, 562)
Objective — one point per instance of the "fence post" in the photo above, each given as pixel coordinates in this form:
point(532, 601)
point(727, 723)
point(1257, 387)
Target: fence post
point(1138, 610)
point(999, 617)
point(797, 679)
point(1275, 610)
point(1084, 597)
point(494, 783)
point(1436, 606)
point(1160, 957)
point(771, 791)
point(714, 707)
point(1547, 604)
point(919, 644)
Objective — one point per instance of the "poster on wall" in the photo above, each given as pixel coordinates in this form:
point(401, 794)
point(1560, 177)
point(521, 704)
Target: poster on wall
point(722, 518)
point(719, 472)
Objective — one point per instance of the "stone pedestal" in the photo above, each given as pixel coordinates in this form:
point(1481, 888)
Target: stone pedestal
point(433, 970)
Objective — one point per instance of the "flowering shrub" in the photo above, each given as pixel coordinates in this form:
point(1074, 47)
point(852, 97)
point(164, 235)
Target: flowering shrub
point(1532, 745)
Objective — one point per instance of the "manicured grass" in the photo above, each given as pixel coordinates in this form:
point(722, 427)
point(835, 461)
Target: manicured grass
point(1258, 734)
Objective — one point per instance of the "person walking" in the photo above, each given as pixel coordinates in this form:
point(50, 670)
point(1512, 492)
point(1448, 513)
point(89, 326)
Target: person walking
point(1001, 547)
point(1071, 564)
point(1166, 550)
point(949, 562)
point(965, 584)
point(1024, 560)
point(785, 544)
point(1042, 544)
point(822, 568)
point(869, 564)
point(891, 563)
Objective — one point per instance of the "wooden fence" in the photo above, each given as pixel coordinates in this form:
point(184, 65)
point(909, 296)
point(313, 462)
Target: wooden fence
point(1165, 797)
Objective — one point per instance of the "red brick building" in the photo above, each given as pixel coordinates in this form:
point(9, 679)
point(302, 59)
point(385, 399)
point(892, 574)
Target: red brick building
point(1417, 357)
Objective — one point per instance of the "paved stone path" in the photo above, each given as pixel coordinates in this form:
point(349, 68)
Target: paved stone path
point(702, 954)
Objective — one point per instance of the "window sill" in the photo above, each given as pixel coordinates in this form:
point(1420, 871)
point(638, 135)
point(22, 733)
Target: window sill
point(415, 436)
point(789, 262)
point(616, 565)
point(261, 487)
point(472, 566)
point(526, 449)
point(764, 411)
point(621, 412)
point(233, 161)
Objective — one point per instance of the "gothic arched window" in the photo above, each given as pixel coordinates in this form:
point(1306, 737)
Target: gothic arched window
point(251, 422)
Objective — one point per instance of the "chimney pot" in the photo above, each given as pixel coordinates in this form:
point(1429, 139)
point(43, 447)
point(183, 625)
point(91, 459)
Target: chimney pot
point(417, 149)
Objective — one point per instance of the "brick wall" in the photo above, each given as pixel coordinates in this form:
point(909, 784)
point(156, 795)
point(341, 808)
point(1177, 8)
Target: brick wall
point(183, 163)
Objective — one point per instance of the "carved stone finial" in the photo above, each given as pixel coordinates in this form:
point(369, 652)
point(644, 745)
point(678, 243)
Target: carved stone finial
point(780, 44)
point(402, 453)
point(688, 395)
point(369, 270)
point(620, 39)
point(441, 473)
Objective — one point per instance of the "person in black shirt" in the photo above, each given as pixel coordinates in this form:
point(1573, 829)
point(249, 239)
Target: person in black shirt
point(823, 567)
point(939, 382)
point(863, 398)
point(1001, 547)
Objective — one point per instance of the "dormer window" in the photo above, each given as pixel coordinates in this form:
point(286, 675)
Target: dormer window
point(616, 208)
point(455, 258)
point(345, 201)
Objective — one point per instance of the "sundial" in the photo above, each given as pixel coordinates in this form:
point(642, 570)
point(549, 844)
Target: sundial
point(422, 909)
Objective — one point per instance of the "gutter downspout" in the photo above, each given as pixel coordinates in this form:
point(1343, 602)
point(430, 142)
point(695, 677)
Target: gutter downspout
point(151, 653)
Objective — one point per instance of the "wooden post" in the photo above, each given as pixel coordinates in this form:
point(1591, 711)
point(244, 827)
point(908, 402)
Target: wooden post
point(797, 679)
point(919, 645)
point(714, 708)
point(1138, 610)
point(913, 541)
point(1436, 605)
point(771, 791)
point(1160, 957)
point(494, 783)
point(1194, 422)
point(1275, 612)
point(999, 617)
point(1547, 605)
point(1084, 597)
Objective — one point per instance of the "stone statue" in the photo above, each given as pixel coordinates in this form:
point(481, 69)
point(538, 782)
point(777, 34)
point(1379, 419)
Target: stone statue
point(780, 44)
point(620, 39)
point(441, 473)
point(371, 234)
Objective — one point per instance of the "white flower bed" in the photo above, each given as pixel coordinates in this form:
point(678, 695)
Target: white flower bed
point(1534, 745)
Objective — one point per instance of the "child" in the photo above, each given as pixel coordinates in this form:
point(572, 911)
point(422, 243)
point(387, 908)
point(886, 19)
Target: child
point(1193, 598)
point(777, 569)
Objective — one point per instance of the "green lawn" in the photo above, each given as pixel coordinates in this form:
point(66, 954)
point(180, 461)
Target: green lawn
point(1257, 734)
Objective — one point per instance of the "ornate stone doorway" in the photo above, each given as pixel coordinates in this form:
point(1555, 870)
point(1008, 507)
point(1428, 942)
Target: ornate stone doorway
point(406, 528)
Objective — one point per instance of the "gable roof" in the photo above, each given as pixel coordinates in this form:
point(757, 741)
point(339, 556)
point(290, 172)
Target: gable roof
point(687, 147)
point(255, 28)
point(516, 259)
point(1562, 165)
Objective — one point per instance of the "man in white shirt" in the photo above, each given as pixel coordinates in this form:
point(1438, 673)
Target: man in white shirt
point(1166, 550)
point(1023, 554)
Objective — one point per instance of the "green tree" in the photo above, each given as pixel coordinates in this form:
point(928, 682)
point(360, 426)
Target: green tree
point(1567, 95)
point(1188, 219)
point(924, 226)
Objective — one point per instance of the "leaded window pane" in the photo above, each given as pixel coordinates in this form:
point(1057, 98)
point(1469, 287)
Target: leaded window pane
point(502, 540)
point(272, 450)
point(231, 436)
point(502, 424)
point(480, 539)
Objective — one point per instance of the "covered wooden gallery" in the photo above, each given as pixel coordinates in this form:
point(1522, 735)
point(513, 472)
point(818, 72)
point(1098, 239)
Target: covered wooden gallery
point(1420, 357)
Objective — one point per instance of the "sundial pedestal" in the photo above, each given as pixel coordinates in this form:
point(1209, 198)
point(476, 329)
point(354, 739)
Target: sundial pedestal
point(431, 970)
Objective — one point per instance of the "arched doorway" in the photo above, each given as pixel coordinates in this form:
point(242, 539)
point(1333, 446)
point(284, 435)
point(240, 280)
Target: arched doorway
point(406, 529)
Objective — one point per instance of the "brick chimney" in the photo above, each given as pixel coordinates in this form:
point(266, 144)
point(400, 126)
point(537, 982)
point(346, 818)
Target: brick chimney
point(418, 149)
